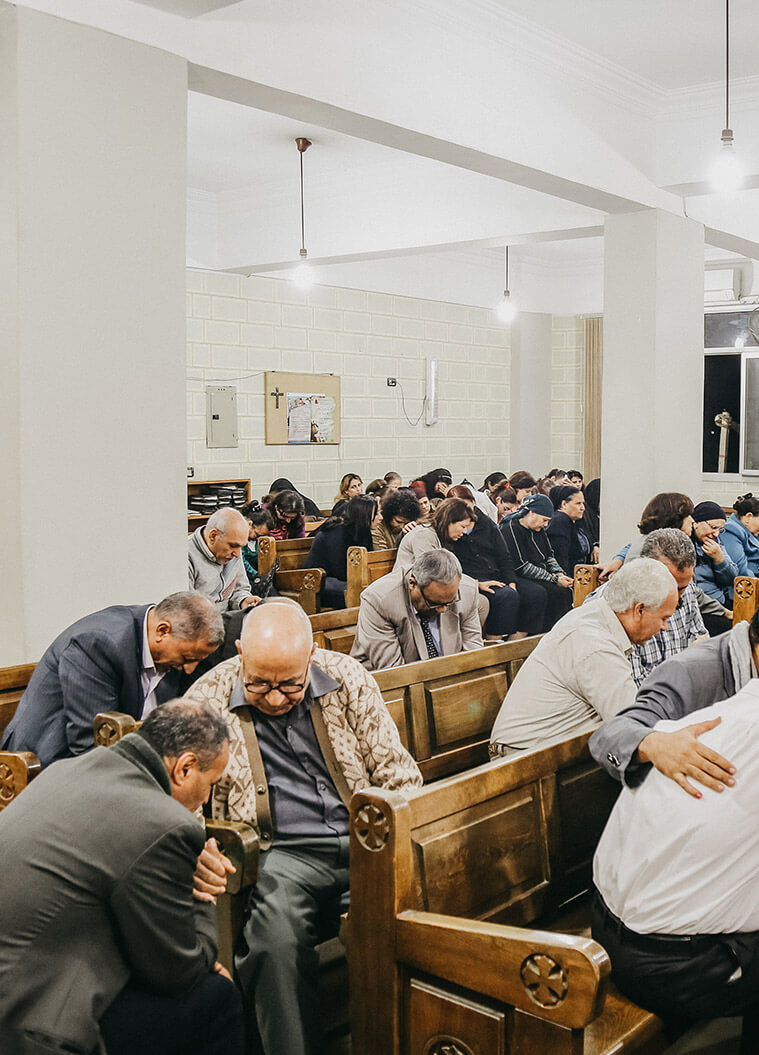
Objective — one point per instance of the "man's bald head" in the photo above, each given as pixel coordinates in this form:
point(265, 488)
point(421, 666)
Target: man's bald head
point(225, 533)
point(276, 645)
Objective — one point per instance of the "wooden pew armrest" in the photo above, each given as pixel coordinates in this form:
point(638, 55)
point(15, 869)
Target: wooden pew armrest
point(110, 726)
point(311, 579)
point(17, 769)
point(239, 841)
point(556, 977)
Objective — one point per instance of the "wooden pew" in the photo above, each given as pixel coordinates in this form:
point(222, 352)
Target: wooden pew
point(335, 630)
point(745, 598)
point(586, 581)
point(291, 578)
point(455, 938)
point(445, 708)
point(13, 682)
point(17, 768)
point(364, 568)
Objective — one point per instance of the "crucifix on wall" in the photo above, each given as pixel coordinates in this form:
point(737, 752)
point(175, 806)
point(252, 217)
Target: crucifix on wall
point(304, 409)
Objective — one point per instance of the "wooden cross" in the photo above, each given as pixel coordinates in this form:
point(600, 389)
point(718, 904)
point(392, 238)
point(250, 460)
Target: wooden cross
point(277, 395)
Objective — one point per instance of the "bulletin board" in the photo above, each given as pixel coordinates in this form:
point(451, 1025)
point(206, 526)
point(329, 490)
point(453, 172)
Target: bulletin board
point(302, 409)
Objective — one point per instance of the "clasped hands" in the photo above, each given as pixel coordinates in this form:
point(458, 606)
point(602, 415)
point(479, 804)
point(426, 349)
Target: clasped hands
point(211, 873)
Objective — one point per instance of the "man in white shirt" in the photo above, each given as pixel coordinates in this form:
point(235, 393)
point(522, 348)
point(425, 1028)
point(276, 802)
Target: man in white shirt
point(580, 673)
point(677, 907)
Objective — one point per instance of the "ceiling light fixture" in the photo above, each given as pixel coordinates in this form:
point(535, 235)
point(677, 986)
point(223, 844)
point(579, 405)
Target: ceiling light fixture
point(727, 173)
point(303, 274)
point(506, 309)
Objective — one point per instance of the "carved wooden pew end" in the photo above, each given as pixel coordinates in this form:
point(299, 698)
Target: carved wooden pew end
point(17, 769)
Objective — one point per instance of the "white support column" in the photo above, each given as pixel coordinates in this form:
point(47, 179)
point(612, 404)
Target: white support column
point(92, 353)
point(530, 431)
point(653, 366)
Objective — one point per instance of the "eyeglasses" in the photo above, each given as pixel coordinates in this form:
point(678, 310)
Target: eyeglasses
point(263, 688)
point(439, 604)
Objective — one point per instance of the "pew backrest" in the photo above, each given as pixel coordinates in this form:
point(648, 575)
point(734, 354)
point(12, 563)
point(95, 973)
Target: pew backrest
point(291, 578)
point(13, 682)
point(335, 630)
point(364, 568)
point(585, 582)
point(445, 708)
point(449, 883)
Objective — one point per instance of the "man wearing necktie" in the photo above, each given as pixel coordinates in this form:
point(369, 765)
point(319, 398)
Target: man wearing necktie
point(429, 611)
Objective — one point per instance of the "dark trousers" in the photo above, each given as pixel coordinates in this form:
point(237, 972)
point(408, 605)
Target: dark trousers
point(716, 624)
point(302, 889)
point(207, 1021)
point(503, 616)
point(558, 601)
point(685, 979)
point(333, 593)
point(532, 606)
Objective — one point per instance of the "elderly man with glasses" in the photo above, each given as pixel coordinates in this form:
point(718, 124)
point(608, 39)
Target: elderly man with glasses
point(430, 611)
point(307, 728)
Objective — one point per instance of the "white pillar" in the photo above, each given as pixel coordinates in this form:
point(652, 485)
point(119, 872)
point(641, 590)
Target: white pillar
point(92, 389)
point(530, 430)
point(653, 366)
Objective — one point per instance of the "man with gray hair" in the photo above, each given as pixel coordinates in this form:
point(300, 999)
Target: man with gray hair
point(215, 564)
point(430, 610)
point(125, 658)
point(102, 944)
point(580, 672)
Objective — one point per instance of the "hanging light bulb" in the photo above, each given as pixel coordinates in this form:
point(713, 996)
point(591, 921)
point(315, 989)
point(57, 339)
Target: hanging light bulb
point(727, 172)
point(303, 274)
point(506, 309)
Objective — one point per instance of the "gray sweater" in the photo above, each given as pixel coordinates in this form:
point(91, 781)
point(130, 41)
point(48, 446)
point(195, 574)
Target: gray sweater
point(226, 585)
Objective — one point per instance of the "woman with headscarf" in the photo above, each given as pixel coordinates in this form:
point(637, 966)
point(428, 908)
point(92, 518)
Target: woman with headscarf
point(282, 484)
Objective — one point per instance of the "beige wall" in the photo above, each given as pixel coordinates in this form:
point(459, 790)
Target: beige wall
point(94, 131)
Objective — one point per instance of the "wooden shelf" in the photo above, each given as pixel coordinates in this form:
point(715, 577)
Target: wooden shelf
point(201, 487)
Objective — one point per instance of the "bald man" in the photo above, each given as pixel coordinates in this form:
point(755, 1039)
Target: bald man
point(307, 728)
point(215, 566)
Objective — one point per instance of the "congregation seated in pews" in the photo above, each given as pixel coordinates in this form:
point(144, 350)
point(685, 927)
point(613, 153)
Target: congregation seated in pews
point(440, 936)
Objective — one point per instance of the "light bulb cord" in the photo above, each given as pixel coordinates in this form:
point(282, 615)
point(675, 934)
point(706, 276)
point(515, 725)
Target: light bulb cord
point(727, 63)
point(302, 213)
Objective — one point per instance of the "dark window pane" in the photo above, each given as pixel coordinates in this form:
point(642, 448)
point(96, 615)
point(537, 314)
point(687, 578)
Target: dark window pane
point(722, 391)
point(723, 328)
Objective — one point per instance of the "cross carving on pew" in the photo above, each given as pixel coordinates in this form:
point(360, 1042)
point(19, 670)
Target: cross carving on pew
point(277, 395)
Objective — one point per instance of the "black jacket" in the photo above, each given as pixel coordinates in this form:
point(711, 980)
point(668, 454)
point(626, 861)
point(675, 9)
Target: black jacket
point(483, 554)
point(568, 541)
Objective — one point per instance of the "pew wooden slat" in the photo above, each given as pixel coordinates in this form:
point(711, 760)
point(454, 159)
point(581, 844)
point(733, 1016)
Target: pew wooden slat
point(291, 578)
point(364, 568)
point(13, 682)
point(335, 630)
point(461, 887)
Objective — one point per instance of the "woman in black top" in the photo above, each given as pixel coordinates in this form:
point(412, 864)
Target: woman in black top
point(570, 543)
point(332, 540)
point(484, 556)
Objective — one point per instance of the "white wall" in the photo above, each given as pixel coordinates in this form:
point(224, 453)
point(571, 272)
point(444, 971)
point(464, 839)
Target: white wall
point(240, 327)
point(93, 373)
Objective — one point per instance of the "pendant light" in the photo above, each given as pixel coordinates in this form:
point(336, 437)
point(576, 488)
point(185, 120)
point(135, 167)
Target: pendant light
point(505, 308)
point(727, 173)
point(303, 274)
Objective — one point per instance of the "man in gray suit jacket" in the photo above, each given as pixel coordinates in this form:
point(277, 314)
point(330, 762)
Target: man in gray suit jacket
point(431, 610)
point(102, 946)
point(126, 658)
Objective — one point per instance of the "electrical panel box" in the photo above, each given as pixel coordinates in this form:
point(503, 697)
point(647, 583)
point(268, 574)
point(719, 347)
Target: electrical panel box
point(221, 416)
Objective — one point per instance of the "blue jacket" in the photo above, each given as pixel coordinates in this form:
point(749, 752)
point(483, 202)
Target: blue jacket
point(741, 546)
point(714, 579)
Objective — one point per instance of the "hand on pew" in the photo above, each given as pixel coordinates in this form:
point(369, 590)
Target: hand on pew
point(211, 873)
point(680, 755)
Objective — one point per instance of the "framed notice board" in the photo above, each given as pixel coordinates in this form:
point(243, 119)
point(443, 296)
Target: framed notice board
point(302, 408)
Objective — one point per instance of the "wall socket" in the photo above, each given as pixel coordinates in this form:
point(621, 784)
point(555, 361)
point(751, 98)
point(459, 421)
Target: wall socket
point(190, 472)
point(392, 382)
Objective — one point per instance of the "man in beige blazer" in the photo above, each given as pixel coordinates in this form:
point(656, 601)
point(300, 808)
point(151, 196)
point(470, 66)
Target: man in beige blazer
point(428, 611)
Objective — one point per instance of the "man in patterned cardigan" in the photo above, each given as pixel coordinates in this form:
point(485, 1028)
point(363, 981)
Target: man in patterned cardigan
point(307, 728)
